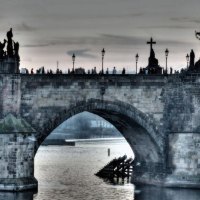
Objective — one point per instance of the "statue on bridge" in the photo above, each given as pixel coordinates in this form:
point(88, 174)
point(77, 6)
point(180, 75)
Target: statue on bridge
point(9, 58)
point(10, 44)
point(194, 67)
point(2, 52)
point(192, 61)
point(197, 34)
point(153, 67)
point(16, 49)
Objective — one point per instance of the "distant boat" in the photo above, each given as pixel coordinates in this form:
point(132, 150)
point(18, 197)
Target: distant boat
point(95, 139)
point(70, 143)
point(60, 142)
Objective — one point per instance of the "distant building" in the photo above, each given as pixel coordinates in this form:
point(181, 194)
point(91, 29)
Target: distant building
point(23, 71)
point(100, 124)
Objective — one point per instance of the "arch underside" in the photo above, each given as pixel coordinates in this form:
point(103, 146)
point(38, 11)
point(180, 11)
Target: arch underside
point(138, 138)
point(139, 130)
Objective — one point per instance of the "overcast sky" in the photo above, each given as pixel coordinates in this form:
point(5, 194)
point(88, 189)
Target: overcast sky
point(51, 30)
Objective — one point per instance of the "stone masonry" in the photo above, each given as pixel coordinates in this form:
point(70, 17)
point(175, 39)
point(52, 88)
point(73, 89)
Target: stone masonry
point(157, 114)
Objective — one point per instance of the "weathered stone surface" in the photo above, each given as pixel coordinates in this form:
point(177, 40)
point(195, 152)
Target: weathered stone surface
point(17, 150)
point(11, 124)
point(158, 115)
point(184, 159)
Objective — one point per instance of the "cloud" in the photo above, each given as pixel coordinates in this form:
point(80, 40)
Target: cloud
point(100, 40)
point(27, 59)
point(173, 42)
point(81, 53)
point(186, 19)
point(24, 27)
point(36, 45)
point(165, 27)
point(136, 14)
point(103, 40)
point(121, 39)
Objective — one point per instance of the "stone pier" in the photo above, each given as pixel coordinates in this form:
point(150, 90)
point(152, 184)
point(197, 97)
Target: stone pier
point(17, 150)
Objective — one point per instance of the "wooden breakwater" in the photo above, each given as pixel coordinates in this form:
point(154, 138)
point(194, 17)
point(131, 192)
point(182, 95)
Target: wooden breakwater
point(117, 168)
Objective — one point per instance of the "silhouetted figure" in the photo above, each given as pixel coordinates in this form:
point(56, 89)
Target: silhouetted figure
point(2, 52)
point(40, 70)
point(10, 44)
point(32, 71)
point(176, 71)
point(80, 70)
point(171, 70)
point(182, 71)
point(43, 71)
point(88, 71)
point(114, 71)
point(123, 71)
point(95, 70)
point(57, 71)
point(192, 61)
point(16, 48)
point(107, 71)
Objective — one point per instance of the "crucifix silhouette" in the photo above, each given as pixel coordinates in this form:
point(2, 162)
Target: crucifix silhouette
point(151, 42)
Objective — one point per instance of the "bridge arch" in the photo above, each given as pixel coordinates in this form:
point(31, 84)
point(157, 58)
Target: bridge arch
point(140, 130)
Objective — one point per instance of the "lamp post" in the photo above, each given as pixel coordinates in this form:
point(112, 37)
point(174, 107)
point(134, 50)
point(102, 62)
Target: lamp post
point(73, 60)
point(103, 53)
point(136, 60)
point(187, 58)
point(166, 55)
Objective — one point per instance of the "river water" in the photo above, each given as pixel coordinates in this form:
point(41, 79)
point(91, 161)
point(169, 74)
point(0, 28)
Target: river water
point(65, 172)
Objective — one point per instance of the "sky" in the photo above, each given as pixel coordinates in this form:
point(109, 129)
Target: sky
point(52, 30)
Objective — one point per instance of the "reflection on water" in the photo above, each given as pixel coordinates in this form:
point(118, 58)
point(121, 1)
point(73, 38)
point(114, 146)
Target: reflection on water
point(157, 193)
point(68, 173)
point(16, 196)
point(142, 193)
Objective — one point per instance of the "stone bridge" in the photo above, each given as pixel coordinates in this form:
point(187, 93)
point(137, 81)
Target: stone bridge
point(159, 116)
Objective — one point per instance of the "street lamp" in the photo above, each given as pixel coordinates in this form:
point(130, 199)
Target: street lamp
point(103, 53)
point(73, 60)
point(136, 59)
point(166, 55)
point(187, 58)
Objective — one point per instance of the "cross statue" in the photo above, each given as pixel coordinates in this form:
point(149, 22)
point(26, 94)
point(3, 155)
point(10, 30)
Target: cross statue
point(151, 42)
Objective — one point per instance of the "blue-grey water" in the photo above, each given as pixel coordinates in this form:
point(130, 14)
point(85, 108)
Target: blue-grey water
point(65, 172)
